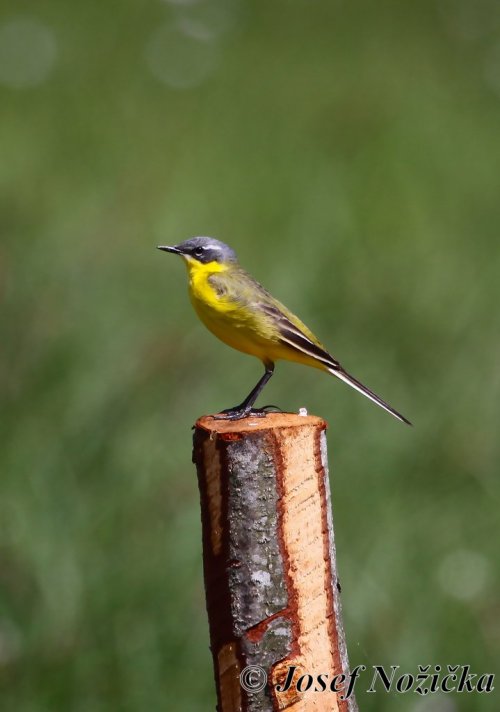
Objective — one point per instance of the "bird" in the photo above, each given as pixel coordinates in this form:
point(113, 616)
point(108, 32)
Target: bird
point(244, 315)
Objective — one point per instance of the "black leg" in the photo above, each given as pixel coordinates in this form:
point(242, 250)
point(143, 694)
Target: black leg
point(245, 408)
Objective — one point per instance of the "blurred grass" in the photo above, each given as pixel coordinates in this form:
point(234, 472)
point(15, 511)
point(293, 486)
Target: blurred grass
point(349, 153)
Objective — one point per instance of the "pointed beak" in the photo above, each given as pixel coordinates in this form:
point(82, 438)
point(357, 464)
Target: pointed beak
point(166, 248)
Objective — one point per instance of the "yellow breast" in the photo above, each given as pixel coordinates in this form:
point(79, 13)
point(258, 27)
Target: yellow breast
point(233, 322)
point(223, 316)
point(202, 294)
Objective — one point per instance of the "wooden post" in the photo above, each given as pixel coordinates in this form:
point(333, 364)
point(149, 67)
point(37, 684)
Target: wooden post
point(269, 562)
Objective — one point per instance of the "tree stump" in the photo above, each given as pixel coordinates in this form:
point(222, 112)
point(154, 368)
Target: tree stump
point(271, 582)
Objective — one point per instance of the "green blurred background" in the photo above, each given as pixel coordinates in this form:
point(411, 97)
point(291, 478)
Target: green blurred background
point(350, 153)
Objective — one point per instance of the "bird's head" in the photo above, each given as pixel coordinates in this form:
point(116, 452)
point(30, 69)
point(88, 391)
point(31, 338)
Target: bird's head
point(202, 250)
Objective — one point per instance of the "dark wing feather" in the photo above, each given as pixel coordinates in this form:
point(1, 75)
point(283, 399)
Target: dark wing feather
point(292, 335)
point(240, 288)
point(243, 289)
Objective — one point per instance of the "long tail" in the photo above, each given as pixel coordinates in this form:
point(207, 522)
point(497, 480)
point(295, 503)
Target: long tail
point(295, 336)
point(354, 383)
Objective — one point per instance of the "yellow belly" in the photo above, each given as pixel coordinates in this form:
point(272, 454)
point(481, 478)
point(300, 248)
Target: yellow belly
point(231, 327)
point(238, 327)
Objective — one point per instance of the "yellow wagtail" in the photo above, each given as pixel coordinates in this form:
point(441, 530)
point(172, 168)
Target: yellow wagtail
point(240, 312)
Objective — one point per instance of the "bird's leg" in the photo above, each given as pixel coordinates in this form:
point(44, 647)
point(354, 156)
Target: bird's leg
point(245, 408)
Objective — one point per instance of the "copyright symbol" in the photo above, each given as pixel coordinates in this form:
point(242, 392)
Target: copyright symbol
point(253, 678)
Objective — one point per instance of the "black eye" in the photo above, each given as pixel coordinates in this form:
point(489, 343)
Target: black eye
point(199, 251)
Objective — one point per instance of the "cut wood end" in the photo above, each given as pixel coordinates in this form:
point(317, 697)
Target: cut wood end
point(232, 428)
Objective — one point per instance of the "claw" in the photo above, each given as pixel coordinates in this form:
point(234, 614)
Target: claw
point(240, 413)
point(271, 409)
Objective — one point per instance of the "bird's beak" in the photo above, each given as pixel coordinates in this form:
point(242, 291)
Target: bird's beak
point(166, 248)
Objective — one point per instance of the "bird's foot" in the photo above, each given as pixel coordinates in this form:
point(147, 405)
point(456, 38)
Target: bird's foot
point(270, 409)
point(239, 412)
